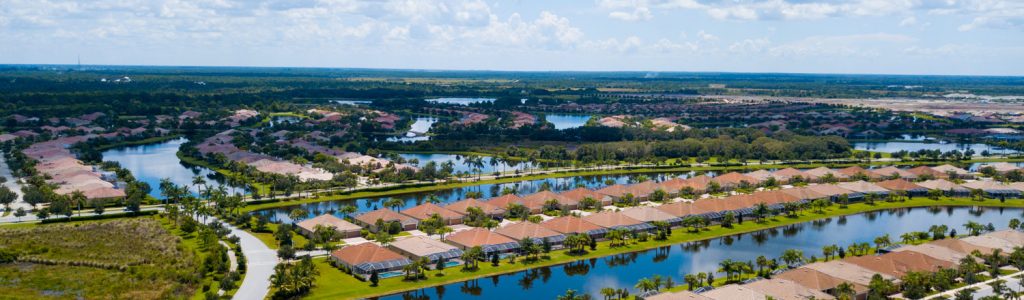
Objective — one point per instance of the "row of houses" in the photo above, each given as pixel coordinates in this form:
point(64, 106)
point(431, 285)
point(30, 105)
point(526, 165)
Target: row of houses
point(634, 219)
point(819, 280)
point(221, 144)
point(55, 160)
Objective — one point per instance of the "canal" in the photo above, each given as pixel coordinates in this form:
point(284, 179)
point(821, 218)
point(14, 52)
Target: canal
point(890, 147)
point(624, 270)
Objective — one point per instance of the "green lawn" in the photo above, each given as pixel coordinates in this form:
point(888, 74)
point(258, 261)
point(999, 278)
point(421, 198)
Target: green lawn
point(332, 283)
point(267, 237)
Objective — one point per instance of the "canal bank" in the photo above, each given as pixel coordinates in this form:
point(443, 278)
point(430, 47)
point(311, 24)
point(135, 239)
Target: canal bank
point(334, 284)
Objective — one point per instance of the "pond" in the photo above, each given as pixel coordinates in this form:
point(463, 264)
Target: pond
point(417, 132)
point(451, 195)
point(152, 162)
point(890, 147)
point(567, 121)
point(624, 270)
point(283, 120)
point(460, 101)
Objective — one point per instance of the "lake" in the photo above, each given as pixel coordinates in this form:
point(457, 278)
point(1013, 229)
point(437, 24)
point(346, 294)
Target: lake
point(567, 121)
point(460, 101)
point(417, 132)
point(624, 270)
point(451, 195)
point(890, 147)
point(152, 162)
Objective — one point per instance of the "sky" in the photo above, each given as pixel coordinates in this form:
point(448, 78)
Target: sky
point(952, 37)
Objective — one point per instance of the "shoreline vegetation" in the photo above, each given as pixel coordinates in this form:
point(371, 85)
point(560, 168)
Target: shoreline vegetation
point(399, 189)
point(333, 283)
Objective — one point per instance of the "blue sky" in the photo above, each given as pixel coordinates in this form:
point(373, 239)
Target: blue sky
point(971, 37)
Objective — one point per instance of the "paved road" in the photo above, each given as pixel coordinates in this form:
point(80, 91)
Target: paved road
point(12, 184)
point(260, 261)
point(31, 217)
point(983, 289)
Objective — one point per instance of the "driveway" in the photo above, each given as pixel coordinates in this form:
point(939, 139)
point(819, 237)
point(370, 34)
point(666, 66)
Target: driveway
point(260, 261)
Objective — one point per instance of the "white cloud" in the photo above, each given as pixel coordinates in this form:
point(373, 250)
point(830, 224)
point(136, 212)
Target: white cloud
point(908, 21)
point(706, 36)
point(638, 14)
point(749, 46)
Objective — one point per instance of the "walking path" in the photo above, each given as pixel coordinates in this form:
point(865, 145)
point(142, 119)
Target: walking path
point(982, 289)
point(260, 262)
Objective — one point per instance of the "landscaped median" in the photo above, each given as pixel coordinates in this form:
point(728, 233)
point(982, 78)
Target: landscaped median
point(429, 187)
point(332, 283)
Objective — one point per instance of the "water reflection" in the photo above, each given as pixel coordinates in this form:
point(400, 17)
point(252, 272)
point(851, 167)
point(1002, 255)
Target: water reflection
point(623, 270)
point(485, 190)
point(152, 162)
point(890, 147)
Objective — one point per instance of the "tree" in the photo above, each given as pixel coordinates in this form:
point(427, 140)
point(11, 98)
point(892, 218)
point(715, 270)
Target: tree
point(608, 293)
point(20, 212)
point(727, 219)
point(882, 241)
point(572, 295)
point(645, 285)
point(1014, 223)
point(98, 206)
point(844, 291)
point(915, 285)
point(760, 212)
point(472, 257)
point(964, 294)
point(384, 238)
point(298, 214)
point(374, 278)
point(880, 288)
point(792, 257)
point(576, 243)
point(7, 197)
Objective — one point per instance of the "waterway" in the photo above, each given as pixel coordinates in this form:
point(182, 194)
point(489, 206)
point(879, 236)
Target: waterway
point(890, 147)
point(451, 195)
point(461, 165)
point(563, 121)
point(624, 270)
point(460, 101)
point(153, 162)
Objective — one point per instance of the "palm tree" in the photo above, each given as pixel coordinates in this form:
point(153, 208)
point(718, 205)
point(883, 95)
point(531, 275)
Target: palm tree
point(792, 256)
point(727, 266)
point(608, 293)
point(645, 285)
point(347, 210)
point(393, 203)
point(882, 241)
point(760, 211)
point(844, 291)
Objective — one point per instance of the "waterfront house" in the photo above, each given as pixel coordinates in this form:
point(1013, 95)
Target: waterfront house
point(616, 220)
point(680, 295)
point(805, 193)
point(366, 258)
point(961, 246)
point(846, 271)
point(733, 292)
point(733, 180)
point(898, 264)
point(857, 171)
point(947, 187)
point(900, 184)
point(489, 241)
point(935, 251)
point(569, 225)
point(926, 171)
point(418, 247)
point(427, 210)
point(833, 192)
point(649, 214)
point(543, 197)
point(947, 169)
point(820, 281)
point(579, 194)
point(864, 187)
point(369, 219)
point(488, 208)
point(788, 174)
point(991, 242)
point(820, 173)
point(783, 289)
point(343, 228)
point(533, 231)
point(759, 175)
point(993, 189)
point(534, 206)
point(891, 172)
